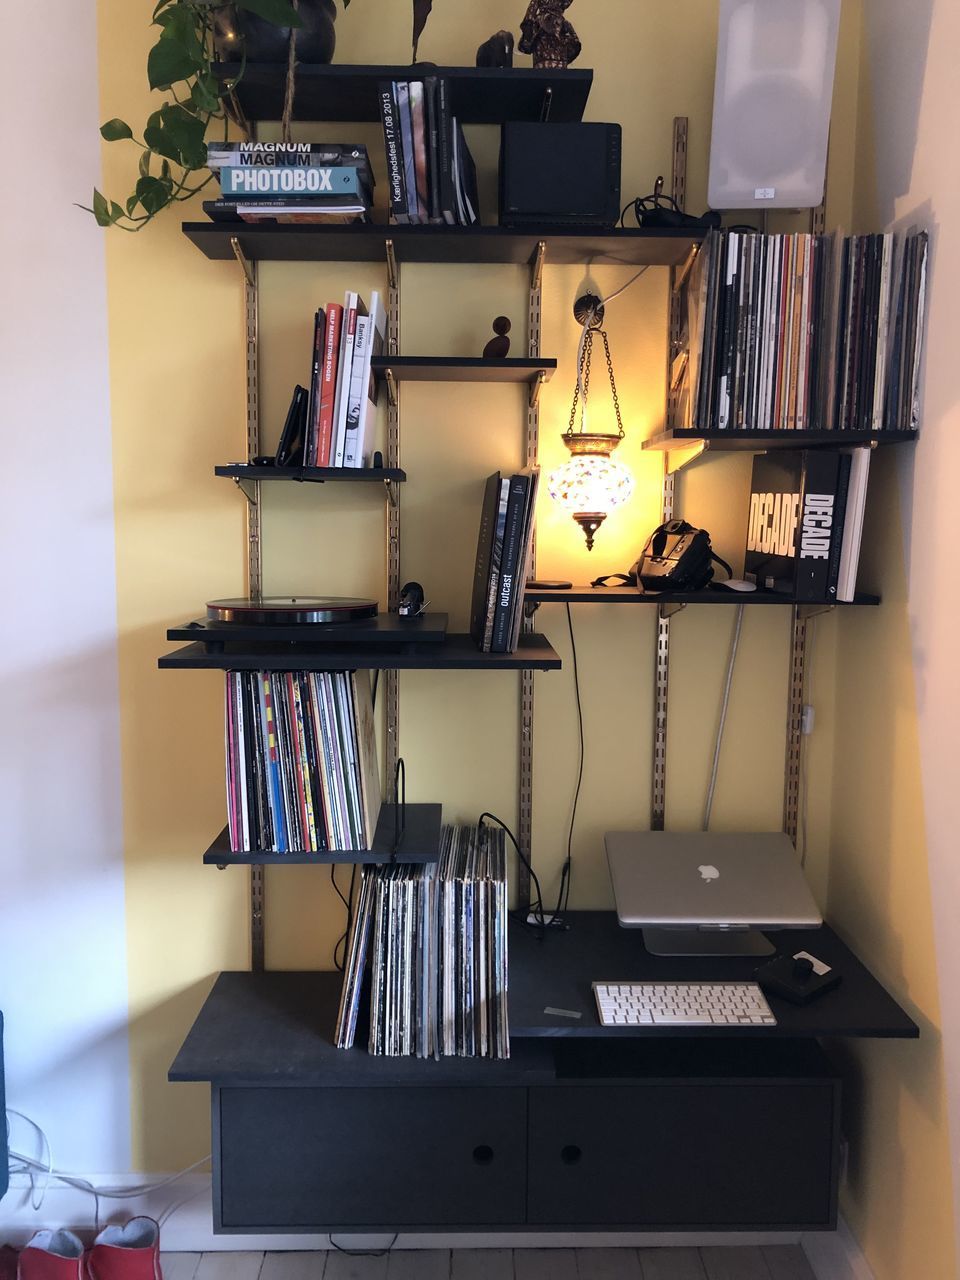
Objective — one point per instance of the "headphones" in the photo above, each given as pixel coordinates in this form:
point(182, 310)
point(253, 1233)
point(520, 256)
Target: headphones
point(412, 603)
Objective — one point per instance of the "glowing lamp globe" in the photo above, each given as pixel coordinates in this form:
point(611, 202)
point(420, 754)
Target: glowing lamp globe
point(591, 484)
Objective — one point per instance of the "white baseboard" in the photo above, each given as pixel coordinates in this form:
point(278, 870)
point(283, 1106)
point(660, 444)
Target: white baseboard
point(184, 1211)
point(835, 1255)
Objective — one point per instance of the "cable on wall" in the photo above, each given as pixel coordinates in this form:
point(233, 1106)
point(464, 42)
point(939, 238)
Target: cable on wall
point(725, 702)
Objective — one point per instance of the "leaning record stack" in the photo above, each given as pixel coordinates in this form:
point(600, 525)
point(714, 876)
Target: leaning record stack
point(435, 937)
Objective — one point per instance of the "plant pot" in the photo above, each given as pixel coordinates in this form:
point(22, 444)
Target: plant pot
point(264, 42)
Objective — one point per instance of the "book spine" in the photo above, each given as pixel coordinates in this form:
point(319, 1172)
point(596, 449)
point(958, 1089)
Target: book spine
point(817, 515)
point(356, 395)
point(313, 407)
point(418, 127)
point(328, 383)
point(406, 134)
point(496, 554)
point(394, 152)
point(294, 182)
point(347, 335)
point(508, 584)
point(433, 148)
point(281, 843)
point(445, 153)
point(839, 517)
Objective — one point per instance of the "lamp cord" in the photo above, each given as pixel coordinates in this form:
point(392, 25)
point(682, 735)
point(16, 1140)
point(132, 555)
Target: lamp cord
point(581, 389)
point(725, 702)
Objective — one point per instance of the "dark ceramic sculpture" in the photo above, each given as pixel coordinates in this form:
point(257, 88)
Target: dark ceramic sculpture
point(547, 34)
point(497, 51)
point(264, 42)
point(498, 347)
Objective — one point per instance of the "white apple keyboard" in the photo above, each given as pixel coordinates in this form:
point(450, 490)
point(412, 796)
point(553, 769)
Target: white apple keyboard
point(682, 1004)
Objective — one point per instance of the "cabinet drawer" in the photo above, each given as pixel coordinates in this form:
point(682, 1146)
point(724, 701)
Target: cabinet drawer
point(318, 1159)
point(694, 1154)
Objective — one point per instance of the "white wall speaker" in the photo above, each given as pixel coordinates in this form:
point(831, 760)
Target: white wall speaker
point(771, 105)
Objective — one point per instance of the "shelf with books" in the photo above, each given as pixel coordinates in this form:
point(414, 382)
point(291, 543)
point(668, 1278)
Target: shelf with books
point(463, 369)
point(481, 95)
point(456, 653)
point(366, 242)
point(709, 595)
point(752, 440)
point(419, 841)
point(310, 475)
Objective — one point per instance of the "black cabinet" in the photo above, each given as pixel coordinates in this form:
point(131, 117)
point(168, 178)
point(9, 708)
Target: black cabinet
point(315, 1159)
point(718, 1154)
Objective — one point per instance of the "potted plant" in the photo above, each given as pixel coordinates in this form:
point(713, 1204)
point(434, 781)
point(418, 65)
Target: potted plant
point(196, 36)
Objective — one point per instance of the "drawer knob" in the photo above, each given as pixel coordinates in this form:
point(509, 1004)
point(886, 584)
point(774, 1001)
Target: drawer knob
point(571, 1154)
point(483, 1155)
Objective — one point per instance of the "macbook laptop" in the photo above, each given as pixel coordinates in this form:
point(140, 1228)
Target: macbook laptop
point(707, 883)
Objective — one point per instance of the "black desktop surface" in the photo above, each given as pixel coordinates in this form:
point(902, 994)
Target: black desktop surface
point(555, 971)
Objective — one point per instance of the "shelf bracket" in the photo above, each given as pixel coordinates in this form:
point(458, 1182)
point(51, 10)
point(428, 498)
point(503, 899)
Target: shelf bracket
point(391, 386)
point(393, 496)
point(677, 459)
point(530, 607)
point(244, 487)
point(244, 261)
point(808, 611)
point(391, 263)
point(538, 264)
point(536, 386)
point(669, 608)
point(680, 275)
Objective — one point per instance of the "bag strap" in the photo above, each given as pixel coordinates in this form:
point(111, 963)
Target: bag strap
point(615, 579)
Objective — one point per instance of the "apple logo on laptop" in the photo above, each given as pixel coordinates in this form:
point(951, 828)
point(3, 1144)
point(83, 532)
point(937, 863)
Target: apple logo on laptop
point(708, 873)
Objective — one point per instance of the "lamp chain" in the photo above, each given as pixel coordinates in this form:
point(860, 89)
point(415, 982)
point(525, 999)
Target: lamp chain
point(584, 381)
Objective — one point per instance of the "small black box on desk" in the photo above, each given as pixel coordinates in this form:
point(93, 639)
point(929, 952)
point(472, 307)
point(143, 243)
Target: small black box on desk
point(559, 174)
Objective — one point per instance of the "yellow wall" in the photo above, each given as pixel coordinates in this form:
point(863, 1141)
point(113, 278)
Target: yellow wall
point(176, 361)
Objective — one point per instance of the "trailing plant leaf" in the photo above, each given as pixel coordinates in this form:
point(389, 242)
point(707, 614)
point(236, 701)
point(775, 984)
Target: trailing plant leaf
point(169, 62)
point(154, 193)
point(421, 12)
point(101, 210)
point(115, 130)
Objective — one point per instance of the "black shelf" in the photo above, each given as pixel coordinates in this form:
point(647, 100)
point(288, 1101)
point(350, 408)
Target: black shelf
point(754, 441)
point(385, 628)
point(462, 369)
point(556, 972)
point(709, 595)
point(663, 247)
point(309, 475)
point(420, 842)
point(480, 95)
point(456, 653)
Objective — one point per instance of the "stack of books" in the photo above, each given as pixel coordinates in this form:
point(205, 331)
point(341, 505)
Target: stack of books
point(301, 754)
point(290, 182)
point(803, 332)
point(503, 557)
point(330, 424)
point(434, 939)
point(431, 176)
point(805, 522)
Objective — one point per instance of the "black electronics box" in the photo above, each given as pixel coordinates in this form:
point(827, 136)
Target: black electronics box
point(564, 175)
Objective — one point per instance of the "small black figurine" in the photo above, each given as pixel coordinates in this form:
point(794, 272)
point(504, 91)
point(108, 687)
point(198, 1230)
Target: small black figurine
point(497, 51)
point(547, 34)
point(498, 347)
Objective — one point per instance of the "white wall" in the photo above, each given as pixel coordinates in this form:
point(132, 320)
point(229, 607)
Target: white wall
point(911, 62)
point(63, 988)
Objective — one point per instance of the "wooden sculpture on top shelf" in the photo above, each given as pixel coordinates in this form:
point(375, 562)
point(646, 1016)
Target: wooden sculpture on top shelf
point(547, 34)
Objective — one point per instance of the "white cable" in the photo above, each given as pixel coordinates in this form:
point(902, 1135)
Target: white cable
point(804, 746)
point(35, 1200)
point(583, 337)
point(708, 807)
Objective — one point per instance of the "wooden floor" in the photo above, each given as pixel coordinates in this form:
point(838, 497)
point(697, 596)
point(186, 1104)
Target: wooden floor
point(771, 1262)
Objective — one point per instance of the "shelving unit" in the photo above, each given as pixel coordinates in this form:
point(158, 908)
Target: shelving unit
point(312, 475)
point(754, 441)
point(680, 599)
point(547, 1139)
point(418, 841)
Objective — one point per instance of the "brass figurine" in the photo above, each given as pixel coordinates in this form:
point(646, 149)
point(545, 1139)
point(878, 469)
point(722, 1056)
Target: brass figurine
point(547, 34)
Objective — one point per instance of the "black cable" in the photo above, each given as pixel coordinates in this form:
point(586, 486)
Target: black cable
point(365, 1253)
point(563, 897)
point(338, 960)
point(535, 909)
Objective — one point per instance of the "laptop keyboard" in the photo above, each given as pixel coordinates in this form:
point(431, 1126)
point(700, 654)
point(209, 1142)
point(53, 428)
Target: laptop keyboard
point(682, 1004)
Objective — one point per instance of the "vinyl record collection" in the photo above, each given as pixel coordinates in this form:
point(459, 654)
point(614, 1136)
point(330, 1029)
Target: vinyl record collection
point(434, 938)
point(302, 770)
point(803, 332)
